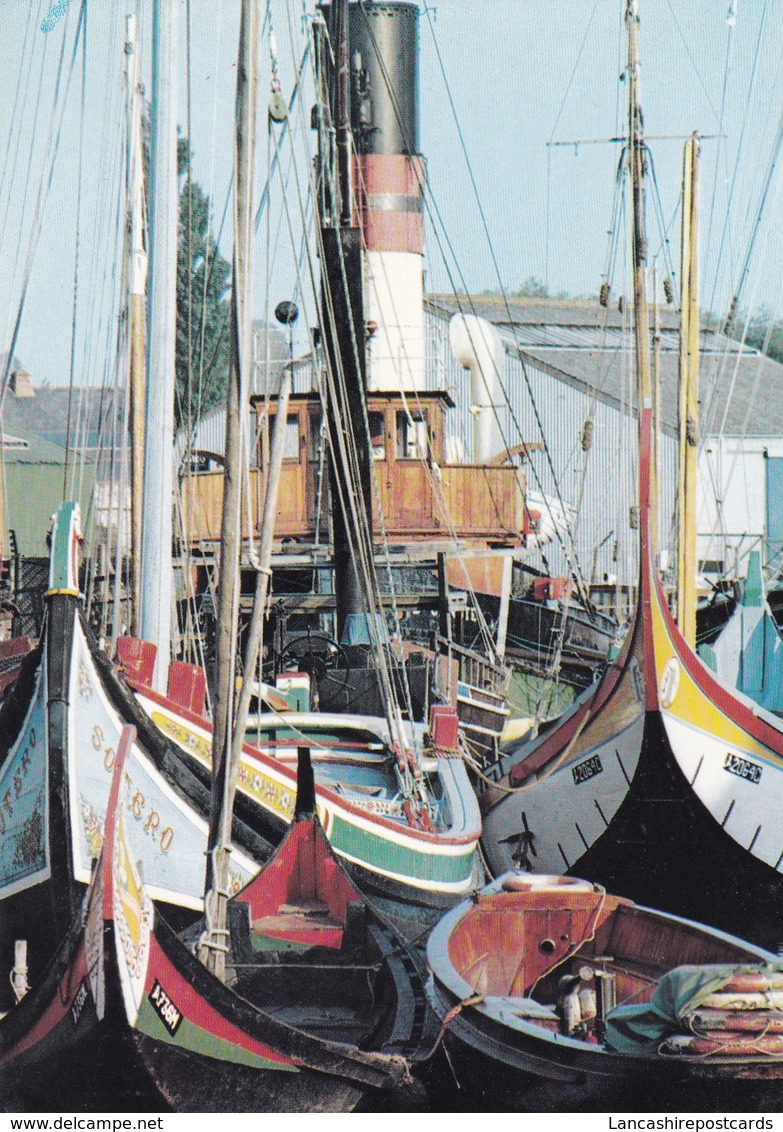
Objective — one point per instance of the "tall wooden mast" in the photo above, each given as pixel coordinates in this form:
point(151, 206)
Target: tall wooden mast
point(224, 768)
point(157, 526)
point(688, 395)
point(648, 508)
point(138, 291)
point(637, 157)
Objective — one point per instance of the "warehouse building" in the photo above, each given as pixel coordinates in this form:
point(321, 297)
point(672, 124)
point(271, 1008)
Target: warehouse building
point(569, 363)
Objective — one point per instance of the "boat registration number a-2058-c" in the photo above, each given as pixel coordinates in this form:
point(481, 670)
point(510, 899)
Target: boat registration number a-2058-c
point(743, 768)
point(588, 769)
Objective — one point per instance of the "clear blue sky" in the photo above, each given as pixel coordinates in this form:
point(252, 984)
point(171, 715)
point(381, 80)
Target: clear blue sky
point(521, 73)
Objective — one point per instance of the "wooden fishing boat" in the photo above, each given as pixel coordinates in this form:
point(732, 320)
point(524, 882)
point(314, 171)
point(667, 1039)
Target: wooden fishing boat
point(60, 728)
point(700, 769)
point(546, 622)
point(325, 1003)
point(414, 859)
point(554, 977)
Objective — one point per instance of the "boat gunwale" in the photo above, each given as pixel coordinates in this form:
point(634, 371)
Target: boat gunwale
point(447, 988)
point(464, 837)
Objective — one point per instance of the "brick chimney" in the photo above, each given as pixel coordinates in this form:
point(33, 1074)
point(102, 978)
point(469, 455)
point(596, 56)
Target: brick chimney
point(21, 384)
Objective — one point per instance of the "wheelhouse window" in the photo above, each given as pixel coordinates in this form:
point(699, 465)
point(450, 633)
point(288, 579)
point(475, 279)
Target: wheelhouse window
point(411, 436)
point(377, 435)
point(291, 438)
point(316, 439)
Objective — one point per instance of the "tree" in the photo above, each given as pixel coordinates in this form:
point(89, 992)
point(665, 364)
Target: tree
point(203, 303)
point(203, 327)
point(765, 333)
point(531, 288)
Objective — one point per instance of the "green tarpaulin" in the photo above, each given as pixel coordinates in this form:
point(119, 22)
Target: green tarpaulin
point(639, 1029)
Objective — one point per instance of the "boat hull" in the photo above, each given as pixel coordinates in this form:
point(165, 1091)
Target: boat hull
point(415, 874)
point(691, 865)
point(193, 1083)
point(502, 966)
point(563, 813)
point(555, 797)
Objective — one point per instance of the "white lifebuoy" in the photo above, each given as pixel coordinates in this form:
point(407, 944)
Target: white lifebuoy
point(543, 882)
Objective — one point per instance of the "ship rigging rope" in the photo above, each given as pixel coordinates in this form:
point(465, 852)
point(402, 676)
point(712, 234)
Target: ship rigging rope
point(440, 232)
point(104, 419)
point(720, 149)
point(252, 657)
point(570, 83)
point(111, 285)
point(663, 228)
point(52, 147)
point(726, 477)
point(21, 102)
point(575, 68)
point(752, 306)
point(715, 382)
point(348, 454)
point(546, 771)
point(193, 637)
point(430, 464)
point(362, 551)
point(15, 256)
point(79, 170)
point(360, 536)
point(718, 489)
point(575, 948)
point(210, 250)
point(571, 555)
point(740, 146)
point(691, 60)
point(432, 474)
point(599, 383)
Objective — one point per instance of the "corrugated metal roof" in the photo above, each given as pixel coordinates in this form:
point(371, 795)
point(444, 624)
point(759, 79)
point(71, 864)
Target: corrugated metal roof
point(46, 415)
point(590, 348)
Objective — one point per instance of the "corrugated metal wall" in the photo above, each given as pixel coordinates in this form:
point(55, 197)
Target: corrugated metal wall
point(540, 408)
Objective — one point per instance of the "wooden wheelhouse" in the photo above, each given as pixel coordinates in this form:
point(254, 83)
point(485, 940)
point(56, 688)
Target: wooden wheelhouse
point(423, 494)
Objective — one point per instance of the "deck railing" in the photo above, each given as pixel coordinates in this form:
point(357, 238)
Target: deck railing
point(467, 500)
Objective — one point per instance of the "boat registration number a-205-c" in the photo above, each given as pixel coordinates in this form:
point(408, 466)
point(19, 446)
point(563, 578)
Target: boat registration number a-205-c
point(588, 769)
point(743, 768)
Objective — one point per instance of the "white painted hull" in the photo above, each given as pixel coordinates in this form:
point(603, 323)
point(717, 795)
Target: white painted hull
point(566, 811)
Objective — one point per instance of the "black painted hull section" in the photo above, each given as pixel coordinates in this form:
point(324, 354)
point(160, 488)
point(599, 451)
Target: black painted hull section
point(664, 849)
